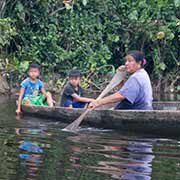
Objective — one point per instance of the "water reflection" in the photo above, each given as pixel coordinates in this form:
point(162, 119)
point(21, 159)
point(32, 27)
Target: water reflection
point(31, 151)
point(123, 160)
point(32, 131)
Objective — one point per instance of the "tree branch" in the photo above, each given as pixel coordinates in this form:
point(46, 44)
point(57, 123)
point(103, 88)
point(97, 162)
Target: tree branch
point(57, 10)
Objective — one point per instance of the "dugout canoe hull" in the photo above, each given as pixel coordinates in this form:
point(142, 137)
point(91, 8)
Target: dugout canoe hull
point(164, 119)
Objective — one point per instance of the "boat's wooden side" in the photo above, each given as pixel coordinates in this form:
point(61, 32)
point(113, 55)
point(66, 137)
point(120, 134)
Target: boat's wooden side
point(158, 121)
point(166, 105)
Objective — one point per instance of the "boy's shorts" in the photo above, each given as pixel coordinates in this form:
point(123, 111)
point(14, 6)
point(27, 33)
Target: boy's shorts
point(36, 100)
point(75, 104)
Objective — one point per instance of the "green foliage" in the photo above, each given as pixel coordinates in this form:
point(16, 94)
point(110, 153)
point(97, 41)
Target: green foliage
point(7, 31)
point(177, 3)
point(178, 88)
point(88, 34)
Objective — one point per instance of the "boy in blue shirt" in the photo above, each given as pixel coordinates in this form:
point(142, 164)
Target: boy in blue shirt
point(32, 90)
point(72, 93)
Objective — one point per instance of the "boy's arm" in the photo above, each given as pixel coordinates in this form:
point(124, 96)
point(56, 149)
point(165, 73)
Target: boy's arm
point(81, 99)
point(18, 110)
point(43, 91)
point(41, 87)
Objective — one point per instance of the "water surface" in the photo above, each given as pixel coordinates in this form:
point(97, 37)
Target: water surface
point(35, 149)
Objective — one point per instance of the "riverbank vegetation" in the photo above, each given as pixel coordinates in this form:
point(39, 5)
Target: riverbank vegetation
point(91, 35)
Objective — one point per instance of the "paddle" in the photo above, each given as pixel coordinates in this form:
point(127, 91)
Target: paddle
point(118, 78)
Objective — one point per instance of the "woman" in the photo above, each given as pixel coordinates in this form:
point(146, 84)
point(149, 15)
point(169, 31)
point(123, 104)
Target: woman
point(136, 93)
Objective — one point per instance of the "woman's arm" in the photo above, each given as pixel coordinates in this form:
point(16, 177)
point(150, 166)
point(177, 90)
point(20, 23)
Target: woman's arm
point(107, 100)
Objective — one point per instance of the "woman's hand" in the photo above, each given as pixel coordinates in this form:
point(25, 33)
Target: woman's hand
point(94, 104)
point(122, 68)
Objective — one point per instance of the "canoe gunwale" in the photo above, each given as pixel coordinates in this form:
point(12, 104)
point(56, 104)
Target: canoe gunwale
point(82, 110)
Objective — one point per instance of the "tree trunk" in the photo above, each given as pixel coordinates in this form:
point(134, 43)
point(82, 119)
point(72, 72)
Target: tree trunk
point(4, 87)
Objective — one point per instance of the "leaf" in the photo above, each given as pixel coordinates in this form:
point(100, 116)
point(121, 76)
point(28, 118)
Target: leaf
point(177, 3)
point(24, 65)
point(133, 15)
point(68, 7)
point(178, 88)
point(113, 38)
point(84, 2)
point(171, 36)
point(162, 66)
point(116, 39)
point(19, 7)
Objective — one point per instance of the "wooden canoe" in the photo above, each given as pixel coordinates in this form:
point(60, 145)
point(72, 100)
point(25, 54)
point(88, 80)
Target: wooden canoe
point(164, 119)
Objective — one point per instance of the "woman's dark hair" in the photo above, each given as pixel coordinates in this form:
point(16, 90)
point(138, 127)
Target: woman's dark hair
point(34, 65)
point(138, 56)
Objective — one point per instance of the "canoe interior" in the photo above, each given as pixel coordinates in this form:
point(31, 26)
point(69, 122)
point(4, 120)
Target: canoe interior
point(166, 105)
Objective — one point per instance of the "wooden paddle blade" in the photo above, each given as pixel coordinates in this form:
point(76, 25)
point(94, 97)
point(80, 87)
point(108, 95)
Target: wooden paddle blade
point(118, 77)
point(75, 124)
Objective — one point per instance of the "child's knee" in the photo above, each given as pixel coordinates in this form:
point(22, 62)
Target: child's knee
point(27, 102)
point(48, 94)
point(68, 103)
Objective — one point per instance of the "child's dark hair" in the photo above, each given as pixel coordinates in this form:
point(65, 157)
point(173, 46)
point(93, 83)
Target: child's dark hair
point(34, 65)
point(74, 73)
point(138, 56)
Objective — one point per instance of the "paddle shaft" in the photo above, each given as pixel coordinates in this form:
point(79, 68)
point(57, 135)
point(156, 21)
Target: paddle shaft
point(118, 78)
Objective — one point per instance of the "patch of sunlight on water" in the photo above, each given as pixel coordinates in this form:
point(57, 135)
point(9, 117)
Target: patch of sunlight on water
point(35, 149)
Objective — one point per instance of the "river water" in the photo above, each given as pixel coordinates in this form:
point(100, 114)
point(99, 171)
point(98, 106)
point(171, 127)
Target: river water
point(35, 149)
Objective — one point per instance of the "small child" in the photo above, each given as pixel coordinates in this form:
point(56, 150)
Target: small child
point(72, 93)
point(32, 90)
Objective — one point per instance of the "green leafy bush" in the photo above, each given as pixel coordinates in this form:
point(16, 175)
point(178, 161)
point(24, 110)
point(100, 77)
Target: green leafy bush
point(89, 34)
